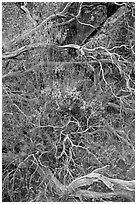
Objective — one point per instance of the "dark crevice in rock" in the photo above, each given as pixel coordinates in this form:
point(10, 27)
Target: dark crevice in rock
point(111, 8)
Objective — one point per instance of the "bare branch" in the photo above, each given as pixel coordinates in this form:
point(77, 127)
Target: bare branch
point(33, 30)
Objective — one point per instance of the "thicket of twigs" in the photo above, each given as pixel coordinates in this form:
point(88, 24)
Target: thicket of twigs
point(68, 102)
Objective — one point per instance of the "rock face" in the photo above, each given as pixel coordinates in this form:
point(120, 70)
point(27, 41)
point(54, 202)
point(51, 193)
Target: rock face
point(68, 102)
